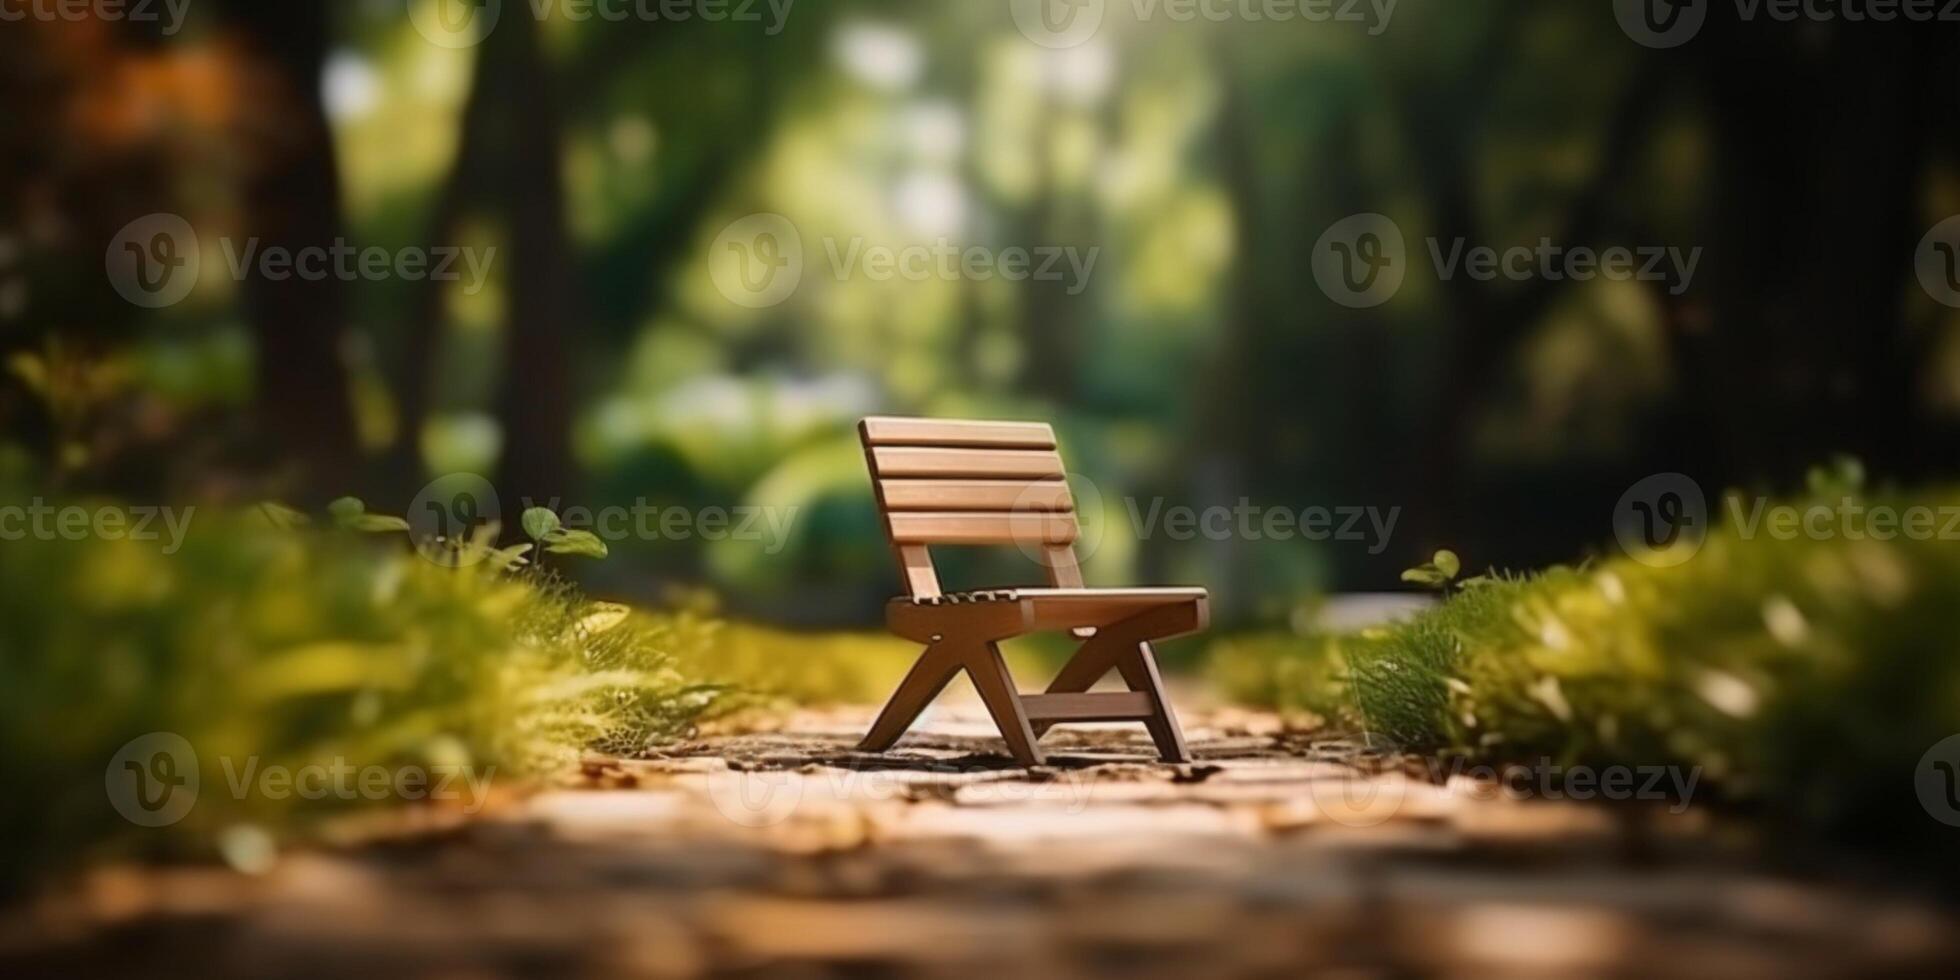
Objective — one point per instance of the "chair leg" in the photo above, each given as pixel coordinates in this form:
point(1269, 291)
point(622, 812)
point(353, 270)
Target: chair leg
point(929, 676)
point(996, 686)
point(1095, 658)
point(1141, 674)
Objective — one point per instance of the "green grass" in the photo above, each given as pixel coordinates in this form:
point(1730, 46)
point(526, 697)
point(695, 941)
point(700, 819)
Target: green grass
point(294, 647)
point(1805, 677)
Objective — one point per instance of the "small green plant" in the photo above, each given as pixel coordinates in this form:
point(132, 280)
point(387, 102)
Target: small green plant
point(542, 525)
point(350, 514)
point(1438, 573)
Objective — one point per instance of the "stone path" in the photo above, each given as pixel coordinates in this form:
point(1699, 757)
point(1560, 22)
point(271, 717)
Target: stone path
point(786, 853)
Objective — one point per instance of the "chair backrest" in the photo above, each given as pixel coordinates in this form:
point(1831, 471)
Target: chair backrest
point(957, 482)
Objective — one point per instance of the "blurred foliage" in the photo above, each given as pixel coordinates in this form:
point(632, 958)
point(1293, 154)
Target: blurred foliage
point(766, 668)
point(599, 364)
point(1806, 677)
point(293, 647)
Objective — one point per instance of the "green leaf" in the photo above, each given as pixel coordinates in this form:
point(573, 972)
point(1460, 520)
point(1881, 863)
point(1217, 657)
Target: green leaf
point(281, 516)
point(1447, 563)
point(1426, 575)
point(377, 523)
point(539, 521)
point(507, 559)
point(577, 543)
point(346, 511)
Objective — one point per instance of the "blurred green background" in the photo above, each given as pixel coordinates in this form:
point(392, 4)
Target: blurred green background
point(1197, 363)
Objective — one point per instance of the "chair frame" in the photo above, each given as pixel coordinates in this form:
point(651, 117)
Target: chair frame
point(957, 482)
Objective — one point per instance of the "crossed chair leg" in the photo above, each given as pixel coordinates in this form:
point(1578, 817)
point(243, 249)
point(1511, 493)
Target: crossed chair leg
point(1123, 647)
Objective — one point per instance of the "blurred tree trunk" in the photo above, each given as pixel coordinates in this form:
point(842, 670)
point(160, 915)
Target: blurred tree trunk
point(420, 331)
point(508, 164)
point(292, 201)
point(1822, 147)
point(1232, 435)
point(1488, 321)
point(1051, 329)
point(534, 401)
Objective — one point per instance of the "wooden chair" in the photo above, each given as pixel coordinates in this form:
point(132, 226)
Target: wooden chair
point(942, 482)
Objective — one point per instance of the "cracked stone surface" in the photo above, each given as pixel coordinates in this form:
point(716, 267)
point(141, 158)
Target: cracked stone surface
point(783, 851)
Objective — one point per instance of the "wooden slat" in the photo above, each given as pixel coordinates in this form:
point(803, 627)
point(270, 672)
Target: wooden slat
point(957, 432)
point(997, 464)
point(1092, 706)
point(975, 528)
point(1015, 495)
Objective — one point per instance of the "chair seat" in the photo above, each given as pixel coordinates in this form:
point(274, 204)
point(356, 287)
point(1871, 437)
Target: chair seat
point(1015, 611)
